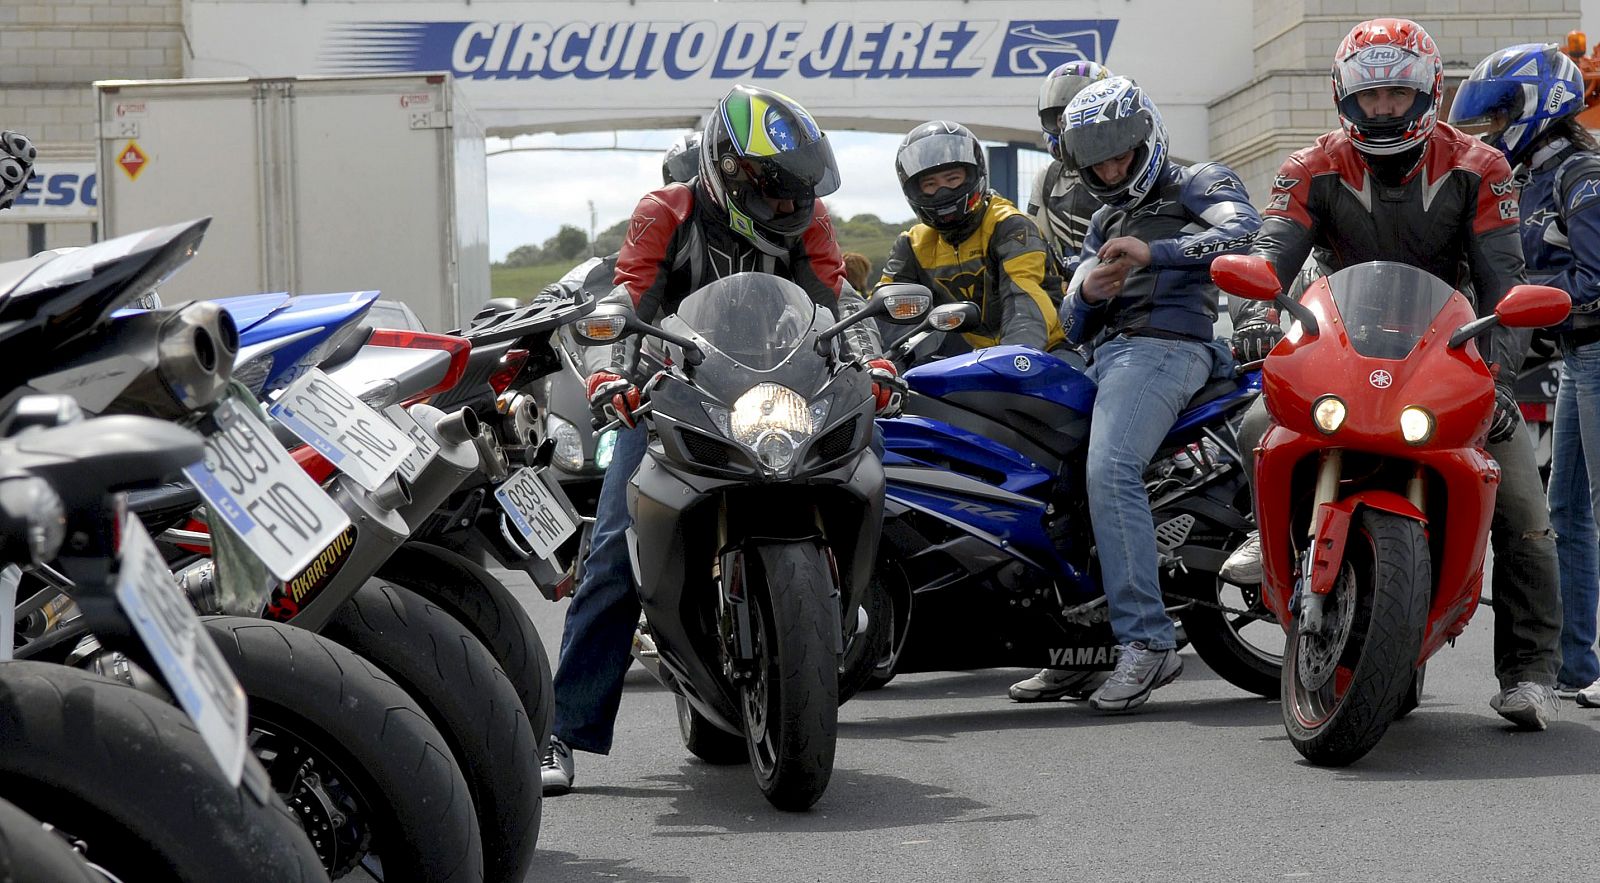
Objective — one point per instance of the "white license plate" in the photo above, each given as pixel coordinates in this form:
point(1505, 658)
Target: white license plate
point(427, 448)
point(342, 428)
point(537, 509)
point(250, 482)
point(193, 667)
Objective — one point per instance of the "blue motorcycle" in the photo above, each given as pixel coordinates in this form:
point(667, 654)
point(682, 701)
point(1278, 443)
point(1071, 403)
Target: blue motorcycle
point(987, 558)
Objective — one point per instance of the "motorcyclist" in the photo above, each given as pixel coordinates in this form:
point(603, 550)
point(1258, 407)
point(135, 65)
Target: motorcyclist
point(1144, 292)
point(17, 154)
point(682, 160)
point(1060, 205)
point(754, 206)
point(972, 244)
point(1524, 100)
point(1393, 184)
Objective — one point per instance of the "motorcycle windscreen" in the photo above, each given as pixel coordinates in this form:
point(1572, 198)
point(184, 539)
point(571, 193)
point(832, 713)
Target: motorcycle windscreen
point(755, 319)
point(1387, 307)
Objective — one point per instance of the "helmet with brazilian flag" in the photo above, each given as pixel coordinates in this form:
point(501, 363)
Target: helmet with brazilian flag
point(764, 161)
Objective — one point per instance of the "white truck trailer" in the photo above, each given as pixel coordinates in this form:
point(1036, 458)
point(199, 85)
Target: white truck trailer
point(315, 184)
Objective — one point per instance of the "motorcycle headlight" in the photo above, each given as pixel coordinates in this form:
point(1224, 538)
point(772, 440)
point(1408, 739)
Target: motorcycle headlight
point(771, 420)
point(604, 447)
point(569, 444)
point(1329, 413)
point(1416, 425)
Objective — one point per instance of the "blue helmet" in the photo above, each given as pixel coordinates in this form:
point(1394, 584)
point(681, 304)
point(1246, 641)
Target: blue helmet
point(1105, 120)
point(1515, 94)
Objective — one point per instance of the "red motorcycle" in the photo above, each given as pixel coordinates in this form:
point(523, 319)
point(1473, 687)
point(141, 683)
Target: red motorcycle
point(1373, 491)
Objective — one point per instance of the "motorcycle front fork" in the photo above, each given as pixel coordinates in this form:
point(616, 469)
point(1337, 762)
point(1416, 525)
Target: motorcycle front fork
point(1310, 604)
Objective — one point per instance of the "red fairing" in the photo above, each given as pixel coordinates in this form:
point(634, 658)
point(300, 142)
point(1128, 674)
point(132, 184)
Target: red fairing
point(1454, 385)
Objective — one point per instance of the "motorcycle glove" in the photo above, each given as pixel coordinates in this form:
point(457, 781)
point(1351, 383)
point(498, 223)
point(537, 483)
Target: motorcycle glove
point(1507, 415)
point(1253, 340)
point(17, 154)
point(613, 397)
point(888, 388)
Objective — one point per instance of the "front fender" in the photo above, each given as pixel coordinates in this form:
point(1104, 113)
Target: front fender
point(1333, 530)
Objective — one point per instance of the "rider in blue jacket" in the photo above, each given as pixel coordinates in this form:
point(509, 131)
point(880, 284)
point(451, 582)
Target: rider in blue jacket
point(1144, 299)
point(1524, 100)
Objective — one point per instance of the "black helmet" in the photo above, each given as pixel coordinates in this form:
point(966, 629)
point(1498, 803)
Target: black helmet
point(759, 145)
point(936, 146)
point(682, 161)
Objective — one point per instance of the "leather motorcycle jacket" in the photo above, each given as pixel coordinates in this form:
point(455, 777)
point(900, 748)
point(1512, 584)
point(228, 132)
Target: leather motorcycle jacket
point(673, 249)
point(1561, 228)
point(1061, 209)
point(1003, 266)
point(1192, 215)
point(1454, 214)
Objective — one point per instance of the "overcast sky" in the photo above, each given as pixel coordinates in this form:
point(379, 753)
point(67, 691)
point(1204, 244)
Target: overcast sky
point(532, 193)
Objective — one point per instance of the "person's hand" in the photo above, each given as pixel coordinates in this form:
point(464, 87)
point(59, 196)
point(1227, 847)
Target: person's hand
point(1104, 281)
point(612, 396)
point(1129, 251)
point(17, 154)
point(1253, 340)
point(1507, 415)
point(888, 388)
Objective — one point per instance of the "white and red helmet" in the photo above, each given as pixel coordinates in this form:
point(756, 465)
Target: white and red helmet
point(1388, 52)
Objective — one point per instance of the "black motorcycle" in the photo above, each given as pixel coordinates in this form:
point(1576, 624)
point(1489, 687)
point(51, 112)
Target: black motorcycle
point(755, 517)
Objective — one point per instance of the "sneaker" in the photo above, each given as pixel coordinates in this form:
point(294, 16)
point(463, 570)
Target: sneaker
point(1589, 697)
point(557, 773)
point(1243, 567)
point(1139, 672)
point(1051, 684)
point(1567, 691)
point(1528, 705)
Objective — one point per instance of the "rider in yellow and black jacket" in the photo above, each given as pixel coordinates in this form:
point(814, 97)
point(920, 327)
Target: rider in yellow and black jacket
point(973, 244)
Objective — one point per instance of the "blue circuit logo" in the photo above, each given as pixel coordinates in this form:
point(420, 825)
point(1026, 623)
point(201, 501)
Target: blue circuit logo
point(1034, 48)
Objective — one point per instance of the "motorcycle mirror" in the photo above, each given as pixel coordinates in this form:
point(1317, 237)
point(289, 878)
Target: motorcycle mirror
point(953, 317)
point(1246, 276)
point(904, 303)
point(1533, 306)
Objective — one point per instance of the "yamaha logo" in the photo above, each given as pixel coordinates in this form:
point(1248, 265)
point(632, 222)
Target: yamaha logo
point(1022, 364)
point(1381, 379)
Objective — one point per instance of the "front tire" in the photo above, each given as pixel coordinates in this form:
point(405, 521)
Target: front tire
point(1340, 692)
point(791, 707)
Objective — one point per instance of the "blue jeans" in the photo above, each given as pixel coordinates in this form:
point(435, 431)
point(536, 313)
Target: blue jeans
point(1144, 382)
point(597, 642)
point(1574, 499)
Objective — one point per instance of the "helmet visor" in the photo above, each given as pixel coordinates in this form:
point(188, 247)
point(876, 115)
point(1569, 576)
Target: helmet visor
point(800, 173)
point(1382, 65)
point(1083, 146)
point(1054, 98)
point(1483, 108)
point(926, 154)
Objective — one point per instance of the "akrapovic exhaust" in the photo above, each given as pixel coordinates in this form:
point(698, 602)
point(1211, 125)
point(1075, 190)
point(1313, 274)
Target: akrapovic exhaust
point(394, 493)
point(458, 428)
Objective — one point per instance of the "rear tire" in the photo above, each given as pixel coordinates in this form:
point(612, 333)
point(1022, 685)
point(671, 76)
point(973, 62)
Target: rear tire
point(448, 671)
point(342, 732)
point(487, 608)
point(66, 736)
point(791, 712)
point(864, 652)
point(1214, 634)
point(708, 741)
point(1387, 575)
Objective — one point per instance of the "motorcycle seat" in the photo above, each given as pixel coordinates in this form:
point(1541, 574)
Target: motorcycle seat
point(1212, 391)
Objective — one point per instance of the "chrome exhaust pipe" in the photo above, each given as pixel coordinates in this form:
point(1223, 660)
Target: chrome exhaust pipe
point(492, 457)
point(394, 493)
point(458, 428)
point(195, 352)
point(184, 358)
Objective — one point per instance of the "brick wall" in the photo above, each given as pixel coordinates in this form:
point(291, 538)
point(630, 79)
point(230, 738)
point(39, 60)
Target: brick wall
point(50, 51)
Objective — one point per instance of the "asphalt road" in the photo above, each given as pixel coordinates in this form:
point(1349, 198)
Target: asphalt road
point(940, 777)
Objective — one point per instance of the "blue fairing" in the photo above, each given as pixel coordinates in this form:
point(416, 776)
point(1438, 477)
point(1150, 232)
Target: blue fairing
point(283, 341)
point(922, 441)
point(1006, 369)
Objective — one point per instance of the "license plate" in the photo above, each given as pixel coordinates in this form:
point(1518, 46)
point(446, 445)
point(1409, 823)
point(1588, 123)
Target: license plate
point(538, 509)
point(427, 448)
point(250, 482)
point(342, 428)
point(193, 667)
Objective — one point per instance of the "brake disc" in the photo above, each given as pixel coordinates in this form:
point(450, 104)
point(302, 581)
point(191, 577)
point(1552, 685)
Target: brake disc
point(1319, 655)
